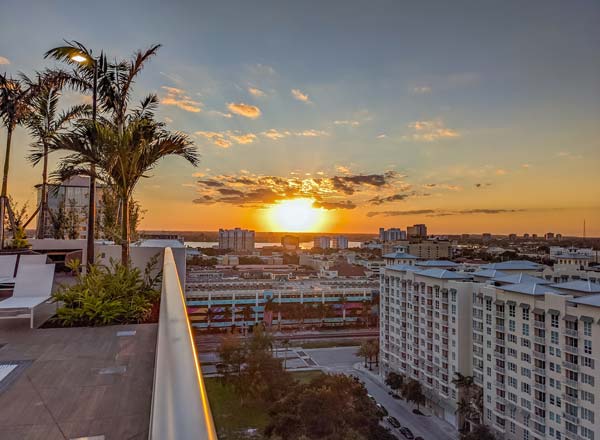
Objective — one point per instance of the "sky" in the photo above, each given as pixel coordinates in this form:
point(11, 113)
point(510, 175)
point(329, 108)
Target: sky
point(469, 116)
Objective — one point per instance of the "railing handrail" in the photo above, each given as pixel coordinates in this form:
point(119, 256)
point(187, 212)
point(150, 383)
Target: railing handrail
point(180, 408)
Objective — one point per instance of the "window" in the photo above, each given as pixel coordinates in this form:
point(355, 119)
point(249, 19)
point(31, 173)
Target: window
point(587, 362)
point(587, 346)
point(512, 311)
point(526, 388)
point(554, 337)
point(587, 397)
point(525, 314)
point(525, 329)
point(586, 378)
point(511, 325)
point(587, 329)
point(526, 372)
point(588, 415)
point(554, 321)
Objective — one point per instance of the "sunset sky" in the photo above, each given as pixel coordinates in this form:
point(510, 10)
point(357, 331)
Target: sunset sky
point(469, 116)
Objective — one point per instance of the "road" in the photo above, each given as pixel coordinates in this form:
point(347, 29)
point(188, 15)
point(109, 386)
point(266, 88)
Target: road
point(344, 360)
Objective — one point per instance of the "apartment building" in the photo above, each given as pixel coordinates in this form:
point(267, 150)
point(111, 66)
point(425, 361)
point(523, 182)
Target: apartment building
point(322, 242)
point(416, 231)
point(236, 239)
point(534, 357)
point(527, 342)
point(425, 330)
point(339, 242)
point(431, 249)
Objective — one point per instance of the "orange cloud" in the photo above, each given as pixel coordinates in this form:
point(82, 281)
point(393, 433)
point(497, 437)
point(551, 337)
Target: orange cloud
point(4, 60)
point(256, 92)
point(297, 94)
point(246, 110)
point(433, 130)
point(225, 139)
point(178, 98)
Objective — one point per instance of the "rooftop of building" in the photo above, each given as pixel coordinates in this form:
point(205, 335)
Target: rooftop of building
point(444, 274)
point(519, 278)
point(489, 273)
point(585, 286)
point(588, 300)
point(404, 267)
point(533, 289)
point(74, 383)
point(513, 265)
point(400, 256)
point(437, 263)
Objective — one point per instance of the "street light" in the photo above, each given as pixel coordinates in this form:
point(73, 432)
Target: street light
point(91, 226)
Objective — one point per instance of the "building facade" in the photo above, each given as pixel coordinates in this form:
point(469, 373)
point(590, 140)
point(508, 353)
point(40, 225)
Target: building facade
point(339, 242)
point(416, 231)
point(236, 239)
point(528, 344)
point(322, 242)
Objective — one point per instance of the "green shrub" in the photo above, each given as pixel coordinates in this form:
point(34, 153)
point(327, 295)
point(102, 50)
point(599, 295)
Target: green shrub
point(113, 294)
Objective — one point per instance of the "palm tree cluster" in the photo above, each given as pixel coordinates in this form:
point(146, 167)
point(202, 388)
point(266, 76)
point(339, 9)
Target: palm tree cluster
point(470, 403)
point(369, 350)
point(114, 141)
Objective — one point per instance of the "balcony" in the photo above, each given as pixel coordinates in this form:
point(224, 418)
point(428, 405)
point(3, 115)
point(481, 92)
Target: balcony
point(499, 369)
point(539, 340)
point(570, 399)
point(571, 332)
point(540, 371)
point(571, 366)
point(571, 349)
point(539, 419)
point(572, 383)
point(539, 403)
point(539, 324)
point(539, 386)
point(571, 418)
point(500, 328)
point(500, 385)
point(500, 342)
point(539, 354)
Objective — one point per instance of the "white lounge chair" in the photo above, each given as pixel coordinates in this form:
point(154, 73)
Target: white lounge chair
point(33, 259)
point(7, 269)
point(33, 287)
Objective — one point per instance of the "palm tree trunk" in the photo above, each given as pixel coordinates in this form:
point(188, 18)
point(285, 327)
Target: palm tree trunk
point(3, 199)
point(125, 231)
point(44, 196)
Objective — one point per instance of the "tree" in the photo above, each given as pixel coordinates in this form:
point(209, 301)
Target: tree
point(470, 403)
point(126, 145)
point(108, 223)
point(394, 380)
point(20, 214)
point(286, 344)
point(15, 98)
point(72, 220)
point(44, 124)
point(330, 407)
point(364, 351)
point(413, 392)
point(120, 157)
point(247, 313)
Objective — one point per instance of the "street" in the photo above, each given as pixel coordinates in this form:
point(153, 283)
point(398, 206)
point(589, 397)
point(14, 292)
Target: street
point(344, 360)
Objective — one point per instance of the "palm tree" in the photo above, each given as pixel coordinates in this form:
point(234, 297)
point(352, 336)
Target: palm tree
point(247, 312)
point(111, 85)
point(413, 392)
point(44, 124)
point(14, 109)
point(286, 344)
point(343, 302)
point(121, 157)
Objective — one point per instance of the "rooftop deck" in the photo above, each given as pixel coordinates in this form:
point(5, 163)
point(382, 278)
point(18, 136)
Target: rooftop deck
point(72, 383)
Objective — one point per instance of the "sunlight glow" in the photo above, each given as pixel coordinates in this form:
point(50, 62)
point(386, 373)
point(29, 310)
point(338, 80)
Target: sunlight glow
point(79, 58)
point(296, 215)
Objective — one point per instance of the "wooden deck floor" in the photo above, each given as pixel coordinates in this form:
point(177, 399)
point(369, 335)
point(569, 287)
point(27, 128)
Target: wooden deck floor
point(77, 382)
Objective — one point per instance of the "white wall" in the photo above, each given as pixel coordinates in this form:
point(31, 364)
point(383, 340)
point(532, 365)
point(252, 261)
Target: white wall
point(140, 256)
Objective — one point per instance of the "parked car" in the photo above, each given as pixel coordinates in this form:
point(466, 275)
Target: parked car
point(382, 409)
point(393, 421)
point(407, 433)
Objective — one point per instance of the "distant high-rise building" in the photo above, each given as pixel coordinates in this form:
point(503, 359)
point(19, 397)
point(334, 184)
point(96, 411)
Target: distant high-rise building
point(526, 236)
point(549, 236)
point(339, 242)
point(322, 242)
point(486, 236)
point(417, 231)
point(534, 236)
point(392, 234)
point(512, 237)
point(236, 239)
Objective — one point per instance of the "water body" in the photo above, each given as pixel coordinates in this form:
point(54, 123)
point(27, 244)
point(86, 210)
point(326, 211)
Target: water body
point(304, 245)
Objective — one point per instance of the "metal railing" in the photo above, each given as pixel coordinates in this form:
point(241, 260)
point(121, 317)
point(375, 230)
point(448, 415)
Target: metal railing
point(180, 408)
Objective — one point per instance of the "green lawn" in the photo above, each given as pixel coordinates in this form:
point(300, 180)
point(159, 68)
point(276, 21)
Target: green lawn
point(330, 344)
point(231, 418)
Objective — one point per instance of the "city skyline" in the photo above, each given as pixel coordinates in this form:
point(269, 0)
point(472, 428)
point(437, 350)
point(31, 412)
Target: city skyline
point(371, 117)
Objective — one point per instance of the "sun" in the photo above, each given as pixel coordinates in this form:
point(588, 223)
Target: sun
point(296, 215)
